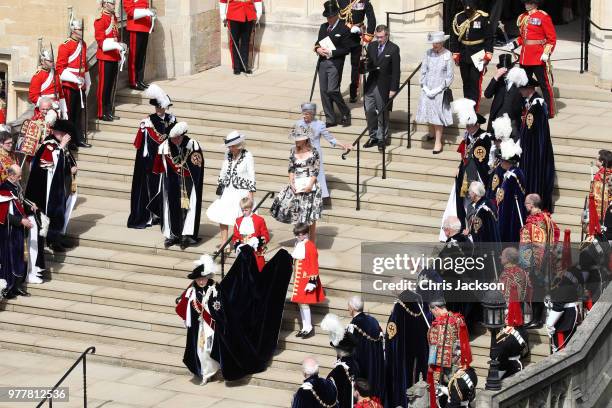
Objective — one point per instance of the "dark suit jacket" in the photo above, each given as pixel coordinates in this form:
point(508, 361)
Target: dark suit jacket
point(383, 71)
point(504, 101)
point(340, 36)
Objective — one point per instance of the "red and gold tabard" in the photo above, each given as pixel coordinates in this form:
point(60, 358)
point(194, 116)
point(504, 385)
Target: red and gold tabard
point(72, 55)
point(259, 230)
point(240, 10)
point(517, 289)
point(369, 402)
point(6, 161)
point(306, 271)
point(538, 36)
point(143, 24)
point(537, 235)
point(599, 196)
point(45, 83)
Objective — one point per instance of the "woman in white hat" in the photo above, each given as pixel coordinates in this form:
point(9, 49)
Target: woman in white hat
point(309, 112)
point(236, 181)
point(436, 77)
point(301, 201)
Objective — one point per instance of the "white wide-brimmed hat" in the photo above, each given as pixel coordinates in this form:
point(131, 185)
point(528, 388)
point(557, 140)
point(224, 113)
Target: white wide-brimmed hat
point(234, 138)
point(437, 37)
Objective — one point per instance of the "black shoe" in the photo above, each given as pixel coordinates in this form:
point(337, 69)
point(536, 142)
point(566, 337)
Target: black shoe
point(330, 124)
point(57, 247)
point(22, 292)
point(73, 147)
point(353, 99)
point(381, 146)
point(310, 334)
point(187, 242)
point(142, 84)
point(67, 243)
point(536, 324)
point(107, 118)
point(8, 294)
point(248, 71)
point(298, 334)
point(237, 72)
point(139, 87)
point(370, 143)
point(346, 121)
point(170, 241)
point(84, 144)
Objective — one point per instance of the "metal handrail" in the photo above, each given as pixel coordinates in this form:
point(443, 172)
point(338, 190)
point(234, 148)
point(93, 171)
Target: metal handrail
point(82, 357)
point(358, 139)
point(400, 13)
point(221, 251)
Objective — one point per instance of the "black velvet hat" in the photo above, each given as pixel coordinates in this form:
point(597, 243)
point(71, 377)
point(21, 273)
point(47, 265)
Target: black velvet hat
point(62, 125)
point(330, 8)
point(505, 61)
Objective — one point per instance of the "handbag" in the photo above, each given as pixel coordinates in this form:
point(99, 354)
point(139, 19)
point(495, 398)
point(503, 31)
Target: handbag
point(220, 189)
point(447, 98)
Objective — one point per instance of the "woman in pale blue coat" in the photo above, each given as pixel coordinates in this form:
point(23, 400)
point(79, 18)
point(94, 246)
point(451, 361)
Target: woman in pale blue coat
point(309, 110)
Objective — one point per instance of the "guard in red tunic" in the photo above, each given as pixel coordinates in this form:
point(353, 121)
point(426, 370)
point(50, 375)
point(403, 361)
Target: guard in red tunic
point(110, 52)
point(46, 82)
point(251, 229)
point(449, 347)
point(73, 70)
point(240, 17)
point(140, 22)
point(538, 39)
point(307, 287)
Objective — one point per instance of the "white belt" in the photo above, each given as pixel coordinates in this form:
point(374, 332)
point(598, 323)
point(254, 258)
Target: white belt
point(75, 70)
point(517, 359)
point(569, 305)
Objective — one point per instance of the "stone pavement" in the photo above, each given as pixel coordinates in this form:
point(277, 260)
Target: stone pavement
point(120, 387)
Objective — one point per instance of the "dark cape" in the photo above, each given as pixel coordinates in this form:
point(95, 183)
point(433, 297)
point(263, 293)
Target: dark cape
point(248, 313)
point(474, 166)
point(191, 358)
point(54, 206)
point(496, 178)
point(344, 373)
point(13, 266)
point(173, 180)
point(538, 159)
point(406, 350)
point(484, 230)
point(511, 205)
point(324, 389)
point(145, 183)
point(370, 353)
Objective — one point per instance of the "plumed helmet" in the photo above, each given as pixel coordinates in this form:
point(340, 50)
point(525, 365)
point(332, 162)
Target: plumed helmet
point(45, 55)
point(179, 129)
point(204, 267)
point(157, 97)
point(502, 127)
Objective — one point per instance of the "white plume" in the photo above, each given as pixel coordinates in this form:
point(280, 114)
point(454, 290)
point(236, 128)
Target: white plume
point(517, 76)
point(3, 284)
point(51, 117)
point(502, 127)
point(155, 92)
point(179, 129)
point(332, 325)
point(210, 266)
point(510, 148)
point(464, 109)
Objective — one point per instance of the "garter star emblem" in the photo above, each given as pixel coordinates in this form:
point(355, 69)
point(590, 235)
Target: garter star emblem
point(196, 159)
point(391, 330)
point(480, 153)
point(217, 305)
point(529, 120)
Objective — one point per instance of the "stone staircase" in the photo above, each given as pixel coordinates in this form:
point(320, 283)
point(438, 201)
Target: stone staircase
point(116, 289)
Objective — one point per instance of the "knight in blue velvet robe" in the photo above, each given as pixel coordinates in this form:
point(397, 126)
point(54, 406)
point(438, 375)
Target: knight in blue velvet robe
point(538, 159)
point(511, 203)
point(495, 182)
point(370, 353)
point(314, 389)
point(406, 347)
point(13, 265)
point(345, 371)
point(484, 231)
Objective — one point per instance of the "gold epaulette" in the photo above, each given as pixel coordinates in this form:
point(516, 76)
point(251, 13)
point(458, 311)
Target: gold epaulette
point(482, 13)
point(520, 21)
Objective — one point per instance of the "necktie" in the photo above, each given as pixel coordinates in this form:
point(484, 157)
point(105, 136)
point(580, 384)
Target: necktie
point(380, 49)
point(329, 29)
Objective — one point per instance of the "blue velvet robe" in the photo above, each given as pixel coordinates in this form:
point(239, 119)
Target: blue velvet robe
point(323, 387)
point(509, 213)
point(370, 353)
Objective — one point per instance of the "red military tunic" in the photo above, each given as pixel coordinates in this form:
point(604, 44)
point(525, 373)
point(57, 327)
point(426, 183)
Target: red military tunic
point(538, 36)
point(445, 334)
point(68, 59)
point(260, 231)
point(143, 24)
point(306, 271)
point(106, 27)
point(240, 10)
point(2, 116)
point(45, 84)
point(600, 195)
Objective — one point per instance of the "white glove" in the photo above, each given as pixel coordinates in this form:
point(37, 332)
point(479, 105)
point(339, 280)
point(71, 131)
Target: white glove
point(545, 57)
point(142, 13)
point(426, 90)
point(355, 29)
point(254, 242)
point(223, 12)
point(258, 11)
point(434, 92)
point(70, 77)
point(87, 83)
point(110, 44)
point(63, 108)
point(310, 287)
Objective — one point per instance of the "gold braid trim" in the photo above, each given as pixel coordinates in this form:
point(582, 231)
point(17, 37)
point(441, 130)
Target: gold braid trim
point(364, 334)
point(410, 312)
point(461, 29)
point(320, 401)
point(346, 13)
point(453, 382)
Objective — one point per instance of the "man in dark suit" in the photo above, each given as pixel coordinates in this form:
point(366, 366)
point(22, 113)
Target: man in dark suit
point(506, 96)
point(331, 63)
point(383, 67)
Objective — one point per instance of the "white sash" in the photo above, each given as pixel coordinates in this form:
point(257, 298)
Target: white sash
point(76, 53)
point(48, 81)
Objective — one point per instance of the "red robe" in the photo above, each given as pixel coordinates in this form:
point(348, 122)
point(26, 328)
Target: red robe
point(538, 36)
point(43, 84)
point(142, 25)
point(261, 233)
point(370, 402)
point(68, 58)
point(240, 10)
point(307, 270)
